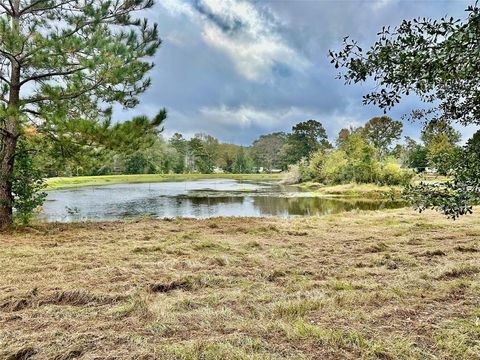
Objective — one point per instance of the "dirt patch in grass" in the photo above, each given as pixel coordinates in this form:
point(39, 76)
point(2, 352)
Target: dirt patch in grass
point(371, 285)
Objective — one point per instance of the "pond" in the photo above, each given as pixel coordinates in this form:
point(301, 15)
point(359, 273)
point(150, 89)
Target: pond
point(197, 199)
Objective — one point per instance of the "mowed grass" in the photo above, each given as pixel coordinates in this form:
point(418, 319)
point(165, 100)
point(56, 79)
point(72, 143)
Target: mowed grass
point(82, 181)
point(386, 285)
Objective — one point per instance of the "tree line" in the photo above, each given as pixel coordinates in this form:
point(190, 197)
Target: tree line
point(371, 153)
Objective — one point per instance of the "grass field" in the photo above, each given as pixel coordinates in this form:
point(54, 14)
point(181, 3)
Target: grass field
point(386, 285)
point(82, 181)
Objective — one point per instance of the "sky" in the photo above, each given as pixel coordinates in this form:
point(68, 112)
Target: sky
point(237, 69)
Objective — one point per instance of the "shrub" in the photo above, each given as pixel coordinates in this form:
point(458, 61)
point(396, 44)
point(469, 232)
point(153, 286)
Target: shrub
point(391, 173)
point(27, 185)
point(335, 168)
point(293, 176)
point(316, 166)
point(299, 172)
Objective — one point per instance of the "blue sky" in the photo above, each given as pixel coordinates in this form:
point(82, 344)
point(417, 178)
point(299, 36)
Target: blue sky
point(236, 69)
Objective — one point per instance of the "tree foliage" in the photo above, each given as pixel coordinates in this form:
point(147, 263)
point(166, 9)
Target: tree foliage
point(439, 62)
point(356, 161)
point(27, 183)
point(63, 63)
point(457, 196)
point(268, 150)
point(306, 138)
point(381, 132)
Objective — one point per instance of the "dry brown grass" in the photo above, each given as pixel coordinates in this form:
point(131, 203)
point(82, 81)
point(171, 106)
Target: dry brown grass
point(390, 285)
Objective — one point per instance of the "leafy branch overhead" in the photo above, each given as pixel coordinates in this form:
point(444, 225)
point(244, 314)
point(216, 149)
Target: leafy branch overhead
point(438, 60)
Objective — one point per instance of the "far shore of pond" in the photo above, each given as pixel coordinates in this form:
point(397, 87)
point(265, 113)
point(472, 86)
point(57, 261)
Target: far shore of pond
point(58, 183)
point(315, 189)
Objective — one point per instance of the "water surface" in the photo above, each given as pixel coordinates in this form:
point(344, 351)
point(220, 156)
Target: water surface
point(197, 199)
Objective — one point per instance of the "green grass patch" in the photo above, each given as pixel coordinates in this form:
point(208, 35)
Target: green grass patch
point(84, 181)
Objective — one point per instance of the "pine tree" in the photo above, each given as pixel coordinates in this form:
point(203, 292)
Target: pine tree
point(63, 63)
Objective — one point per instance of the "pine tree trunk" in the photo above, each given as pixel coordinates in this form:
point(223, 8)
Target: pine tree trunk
point(7, 156)
point(9, 134)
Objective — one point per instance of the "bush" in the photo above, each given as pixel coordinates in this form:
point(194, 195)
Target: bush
point(391, 173)
point(335, 168)
point(27, 185)
point(316, 166)
point(293, 176)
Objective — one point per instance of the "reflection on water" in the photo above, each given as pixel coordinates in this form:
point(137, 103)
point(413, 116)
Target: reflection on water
point(199, 199)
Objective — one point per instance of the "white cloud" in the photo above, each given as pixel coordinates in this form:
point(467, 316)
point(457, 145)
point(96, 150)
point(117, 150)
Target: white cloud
point(176, 38)
point(381, 4)
point(247, 35)
point(245, 117)
point(235, 123)
point(178, 7)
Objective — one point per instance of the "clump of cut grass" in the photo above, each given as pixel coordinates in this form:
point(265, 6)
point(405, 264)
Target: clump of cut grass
point(275, 274)
point(431, 253)
point(297, 233)
point(69, 297)
point(78, 298)
point(23, 353)
point(460, 270)
point(136, 305)
point(466, 249)
point(183, 284)
point(376, 248)
point(340, 286)
point(210, 245)
point(265, 230)
point(297, 308)
point(253, 245)
point(218, 261)
point(70, 354)
point(147, 249)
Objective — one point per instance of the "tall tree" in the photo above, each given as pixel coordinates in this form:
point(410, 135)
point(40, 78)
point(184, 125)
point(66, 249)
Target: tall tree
point(415, 155)
point(180, 145)
point(381, 132)
point(62, 63)
point(210, 146)
point(306, 138)
point(440, 139)
point(342, 137)
point(243, 163)
point(437, 60)
point(433, 129)
point(267, 150)
point(227, 155)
